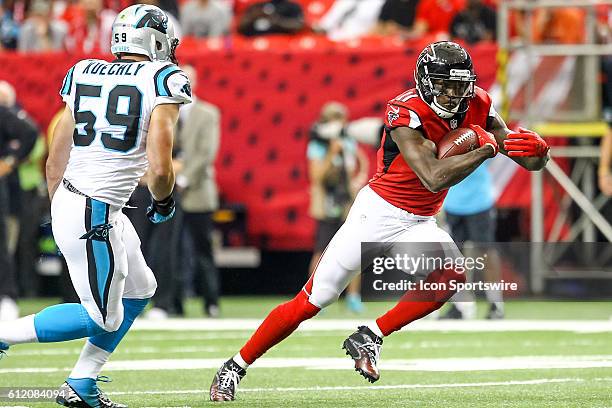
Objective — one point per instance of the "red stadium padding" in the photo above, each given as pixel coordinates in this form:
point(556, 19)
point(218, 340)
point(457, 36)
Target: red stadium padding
point(268, 101)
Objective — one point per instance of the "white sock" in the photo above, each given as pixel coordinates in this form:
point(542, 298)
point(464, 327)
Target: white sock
point(18, 331)
point(240, 361)
point(375, 329)
point(90, 362)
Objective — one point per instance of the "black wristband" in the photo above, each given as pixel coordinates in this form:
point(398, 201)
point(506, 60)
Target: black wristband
point(164, 207)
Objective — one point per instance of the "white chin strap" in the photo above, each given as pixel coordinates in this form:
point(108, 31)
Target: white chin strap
point(441, 111)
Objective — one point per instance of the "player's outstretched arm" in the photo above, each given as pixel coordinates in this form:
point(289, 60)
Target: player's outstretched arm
point(160, 178)
point(525, 147)
point(59, 151)
point(436, 174)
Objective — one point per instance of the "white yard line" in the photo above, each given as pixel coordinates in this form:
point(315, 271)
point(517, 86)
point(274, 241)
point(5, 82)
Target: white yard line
point(345, 363)
point(367, 387)
point(228, 348)
point(124, 350)
point(580, 326)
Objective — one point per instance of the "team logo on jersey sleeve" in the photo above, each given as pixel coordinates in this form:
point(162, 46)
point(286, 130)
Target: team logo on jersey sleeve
point(393, 114)
point(186, 89)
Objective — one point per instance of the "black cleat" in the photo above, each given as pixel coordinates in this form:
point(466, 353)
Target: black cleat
point(496, 312)
point(364, 347)
point(225, 383)
point(68, 397)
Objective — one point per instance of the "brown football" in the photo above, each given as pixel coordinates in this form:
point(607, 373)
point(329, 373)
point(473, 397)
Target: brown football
point(458, 141)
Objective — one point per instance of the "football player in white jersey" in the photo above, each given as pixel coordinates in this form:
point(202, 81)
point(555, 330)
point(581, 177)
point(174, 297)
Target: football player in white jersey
point(118, 121)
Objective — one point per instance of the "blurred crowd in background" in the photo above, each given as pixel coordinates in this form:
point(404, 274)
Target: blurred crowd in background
point(85, 25)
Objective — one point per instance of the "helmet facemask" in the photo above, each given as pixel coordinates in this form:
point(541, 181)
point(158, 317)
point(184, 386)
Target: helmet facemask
point(445, 78)
point(451, 95)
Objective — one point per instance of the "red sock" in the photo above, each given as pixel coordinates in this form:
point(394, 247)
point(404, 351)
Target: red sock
point(280, 323)
point(418, 303)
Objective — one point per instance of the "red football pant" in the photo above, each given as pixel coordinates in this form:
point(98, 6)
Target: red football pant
point(280, 323)
point(416, 304)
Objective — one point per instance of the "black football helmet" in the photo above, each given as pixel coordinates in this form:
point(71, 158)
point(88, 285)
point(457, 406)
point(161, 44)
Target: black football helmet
point(445, 79)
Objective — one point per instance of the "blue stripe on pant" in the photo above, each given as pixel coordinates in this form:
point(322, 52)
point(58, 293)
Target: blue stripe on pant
point(100, 258)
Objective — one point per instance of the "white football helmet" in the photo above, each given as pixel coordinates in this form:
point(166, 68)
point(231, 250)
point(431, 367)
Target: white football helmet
point(145, 30)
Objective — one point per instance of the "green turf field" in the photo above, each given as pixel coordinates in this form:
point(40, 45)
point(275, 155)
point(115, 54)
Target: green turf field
point(420, 368)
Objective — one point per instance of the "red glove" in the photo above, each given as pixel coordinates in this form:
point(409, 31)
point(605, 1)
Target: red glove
point(485, 138)
point(526, 143)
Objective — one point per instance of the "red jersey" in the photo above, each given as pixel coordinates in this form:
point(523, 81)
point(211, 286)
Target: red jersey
point(394, 180)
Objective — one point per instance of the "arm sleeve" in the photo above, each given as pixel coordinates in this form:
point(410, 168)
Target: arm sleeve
point(171, 86)
point(67, 90)
point(398, 116)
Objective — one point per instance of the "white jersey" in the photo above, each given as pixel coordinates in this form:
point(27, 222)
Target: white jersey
point(111, 103)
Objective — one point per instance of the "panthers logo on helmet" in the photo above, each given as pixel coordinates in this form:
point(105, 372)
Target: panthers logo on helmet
point(154, 19)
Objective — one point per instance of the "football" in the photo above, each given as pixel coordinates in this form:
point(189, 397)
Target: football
point(457, 141)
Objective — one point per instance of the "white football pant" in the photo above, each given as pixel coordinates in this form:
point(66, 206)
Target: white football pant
point(103, 271)
point(371, 219)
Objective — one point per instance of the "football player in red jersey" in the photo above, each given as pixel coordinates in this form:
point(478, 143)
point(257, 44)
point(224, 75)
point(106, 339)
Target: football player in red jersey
point(398, 205)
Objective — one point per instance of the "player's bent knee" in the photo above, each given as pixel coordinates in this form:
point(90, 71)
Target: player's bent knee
point(113, 322)
point(323, 297)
